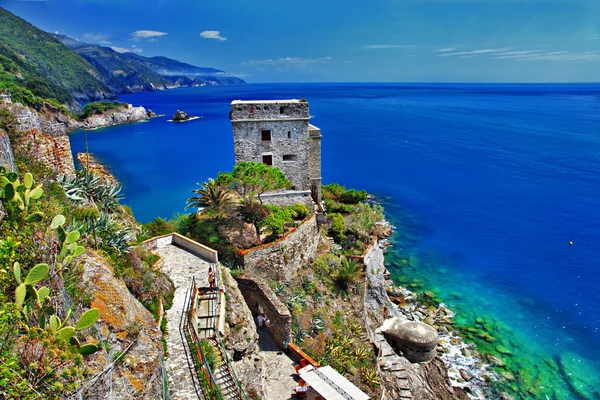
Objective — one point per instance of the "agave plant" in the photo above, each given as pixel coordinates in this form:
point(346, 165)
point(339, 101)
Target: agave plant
point(317, 324)
point(85, 188)
point(109, 231)
point(370, 377)
point(345, 273)
point(210, 195)
point(298, 333)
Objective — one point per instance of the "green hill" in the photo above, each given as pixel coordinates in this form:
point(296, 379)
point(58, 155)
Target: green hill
point(130, 72)
point(121, 73)
point(48, 62)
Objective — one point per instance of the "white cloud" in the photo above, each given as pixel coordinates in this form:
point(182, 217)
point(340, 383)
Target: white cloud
point(289, 61)
point(212, 35)
point(445, 50)
point(147, 35)
point(96, 37)
point(56, 33)
point(132, 49)
point(473, 52)
point(388, 46)
point(564, 56)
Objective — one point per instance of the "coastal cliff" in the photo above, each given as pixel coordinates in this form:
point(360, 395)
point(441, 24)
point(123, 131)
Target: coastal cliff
point(122, 115)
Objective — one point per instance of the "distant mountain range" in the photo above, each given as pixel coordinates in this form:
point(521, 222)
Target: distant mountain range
point(65, 69)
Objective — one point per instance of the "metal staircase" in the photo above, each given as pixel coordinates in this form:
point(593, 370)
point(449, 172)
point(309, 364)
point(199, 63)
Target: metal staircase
point(202, 317)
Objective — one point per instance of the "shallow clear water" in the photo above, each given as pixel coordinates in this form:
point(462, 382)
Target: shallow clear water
point(486, 183)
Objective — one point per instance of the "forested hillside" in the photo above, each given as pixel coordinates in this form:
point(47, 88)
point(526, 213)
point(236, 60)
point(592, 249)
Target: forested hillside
point(47, 62)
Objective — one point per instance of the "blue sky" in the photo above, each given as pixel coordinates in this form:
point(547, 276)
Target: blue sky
point(332, 40)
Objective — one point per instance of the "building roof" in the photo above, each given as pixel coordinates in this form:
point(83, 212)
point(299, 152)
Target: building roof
point(264, 101)
point(330, 384)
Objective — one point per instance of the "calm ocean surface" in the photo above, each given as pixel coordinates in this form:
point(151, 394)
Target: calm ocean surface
point(487, 185)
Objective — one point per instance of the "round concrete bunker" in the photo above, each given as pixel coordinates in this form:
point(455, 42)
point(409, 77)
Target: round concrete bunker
point(416, 340)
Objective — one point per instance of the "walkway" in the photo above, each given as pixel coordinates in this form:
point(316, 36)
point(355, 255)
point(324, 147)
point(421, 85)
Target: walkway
point(181, 266)
point(279, 369)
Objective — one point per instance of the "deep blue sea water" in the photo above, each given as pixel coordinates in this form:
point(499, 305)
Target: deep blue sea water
point(486, 183)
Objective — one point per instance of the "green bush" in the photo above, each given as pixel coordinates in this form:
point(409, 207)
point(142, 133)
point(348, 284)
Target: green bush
point(98, 107)
point(338, 227)
point(277, 219)
point(332, 206)
point(298, 211)
point(353, 196)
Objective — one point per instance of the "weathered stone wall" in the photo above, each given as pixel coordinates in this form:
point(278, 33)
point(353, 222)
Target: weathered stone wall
point(289, 198)
point(273, 109)
point(241, 338)
point(53, 151)
point(294, 145)
point(314, 161)
point(259, 296)
point(7, 159)
point(282, 260)
point(248, 146)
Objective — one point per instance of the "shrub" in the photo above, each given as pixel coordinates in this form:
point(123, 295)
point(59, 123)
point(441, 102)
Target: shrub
point(365, 217)
point(338, 227)
point(99, 107)
point(276, 220)
point(298, 211)
point(345, 274)
point(353, 196)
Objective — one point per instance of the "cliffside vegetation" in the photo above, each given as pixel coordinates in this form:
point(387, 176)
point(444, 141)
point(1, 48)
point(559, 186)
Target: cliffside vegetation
point(45, 225)
point(38, 67)
point(99, 107)
point(60, 71)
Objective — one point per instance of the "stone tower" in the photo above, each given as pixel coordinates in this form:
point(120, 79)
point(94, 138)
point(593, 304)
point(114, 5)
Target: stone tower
point(278, 133)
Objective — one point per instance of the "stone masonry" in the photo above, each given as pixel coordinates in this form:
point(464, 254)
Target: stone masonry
point(281, 260)
point(278, 133)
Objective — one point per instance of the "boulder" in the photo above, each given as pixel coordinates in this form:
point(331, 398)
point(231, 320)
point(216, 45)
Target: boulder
point(416, 340)
point(180, 116)
point(125, 326)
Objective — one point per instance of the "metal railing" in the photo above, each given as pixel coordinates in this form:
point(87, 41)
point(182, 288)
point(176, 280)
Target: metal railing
point(190, 331)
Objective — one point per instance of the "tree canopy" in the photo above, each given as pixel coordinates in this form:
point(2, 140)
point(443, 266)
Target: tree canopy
point(251, 179)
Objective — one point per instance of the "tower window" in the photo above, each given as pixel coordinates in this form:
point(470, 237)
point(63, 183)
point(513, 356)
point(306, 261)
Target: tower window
point(267, 159)
point(289, 135)
point(265, 135)
point(290, 157)
point(284, 110)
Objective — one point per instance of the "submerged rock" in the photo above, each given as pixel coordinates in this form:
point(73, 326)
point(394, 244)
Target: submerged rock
point(580, 375)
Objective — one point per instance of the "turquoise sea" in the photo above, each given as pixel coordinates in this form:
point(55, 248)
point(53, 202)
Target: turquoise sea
point(486, 184)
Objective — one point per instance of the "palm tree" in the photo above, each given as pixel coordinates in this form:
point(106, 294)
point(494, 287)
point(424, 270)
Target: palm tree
point(345, 274)
point(210, 195)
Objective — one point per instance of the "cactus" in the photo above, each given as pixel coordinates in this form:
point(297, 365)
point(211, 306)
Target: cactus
point(33, 300)
point(21, 193)
point(67, 241)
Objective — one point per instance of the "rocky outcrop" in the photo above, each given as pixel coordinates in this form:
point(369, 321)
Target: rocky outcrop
point(401, 378)
point(114, 117)
point(241, 338)
point(180, 116)
point(416, 340)
point(125, 327)
point(90, 163)
point(7, 159)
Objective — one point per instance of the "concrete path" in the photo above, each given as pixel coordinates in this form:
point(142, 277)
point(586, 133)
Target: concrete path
point(279, 369)
point(181, 267)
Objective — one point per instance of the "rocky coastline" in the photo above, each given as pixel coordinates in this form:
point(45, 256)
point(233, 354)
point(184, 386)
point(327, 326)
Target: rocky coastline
point(462, 369)
point(123, 115)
